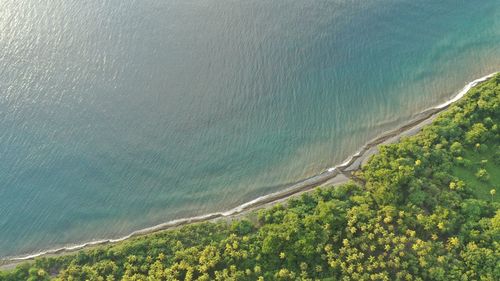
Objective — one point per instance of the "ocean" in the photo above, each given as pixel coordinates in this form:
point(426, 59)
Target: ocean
point(119, 115)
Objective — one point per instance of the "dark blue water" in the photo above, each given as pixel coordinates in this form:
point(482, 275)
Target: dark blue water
point(118, 115)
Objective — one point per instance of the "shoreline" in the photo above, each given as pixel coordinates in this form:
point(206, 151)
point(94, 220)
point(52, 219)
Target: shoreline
point(333, 176)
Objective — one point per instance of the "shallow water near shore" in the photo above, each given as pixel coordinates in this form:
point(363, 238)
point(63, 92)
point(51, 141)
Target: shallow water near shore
point(119, 115)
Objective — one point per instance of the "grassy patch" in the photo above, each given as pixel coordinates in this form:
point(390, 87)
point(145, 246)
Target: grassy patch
point(467, 173)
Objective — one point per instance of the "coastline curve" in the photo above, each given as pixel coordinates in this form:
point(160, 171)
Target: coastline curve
point(352, 163)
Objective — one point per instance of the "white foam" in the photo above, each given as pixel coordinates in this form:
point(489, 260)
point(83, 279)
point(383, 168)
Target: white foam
point(467, 87)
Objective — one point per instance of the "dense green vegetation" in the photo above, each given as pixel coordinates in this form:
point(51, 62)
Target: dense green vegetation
point(424, 209)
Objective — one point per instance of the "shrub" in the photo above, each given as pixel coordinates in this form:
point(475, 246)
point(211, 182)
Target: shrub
point(482, 175)
point(456, 148)
point(476, 134)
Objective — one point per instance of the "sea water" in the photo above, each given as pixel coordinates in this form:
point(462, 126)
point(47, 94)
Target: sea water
point(118, 115)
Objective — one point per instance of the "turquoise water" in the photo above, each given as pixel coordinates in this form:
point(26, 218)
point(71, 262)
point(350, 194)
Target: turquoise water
point(119, 115)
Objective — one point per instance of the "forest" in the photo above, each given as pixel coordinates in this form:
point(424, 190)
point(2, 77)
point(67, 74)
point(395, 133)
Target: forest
point(424, 208)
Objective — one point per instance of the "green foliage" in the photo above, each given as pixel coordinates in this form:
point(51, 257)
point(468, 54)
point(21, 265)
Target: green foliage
point(479, 183)
point(477, 134)
point(496, 157)
point(419, 214)
point(456, 149)
point(242, 227)
point(482, 175)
